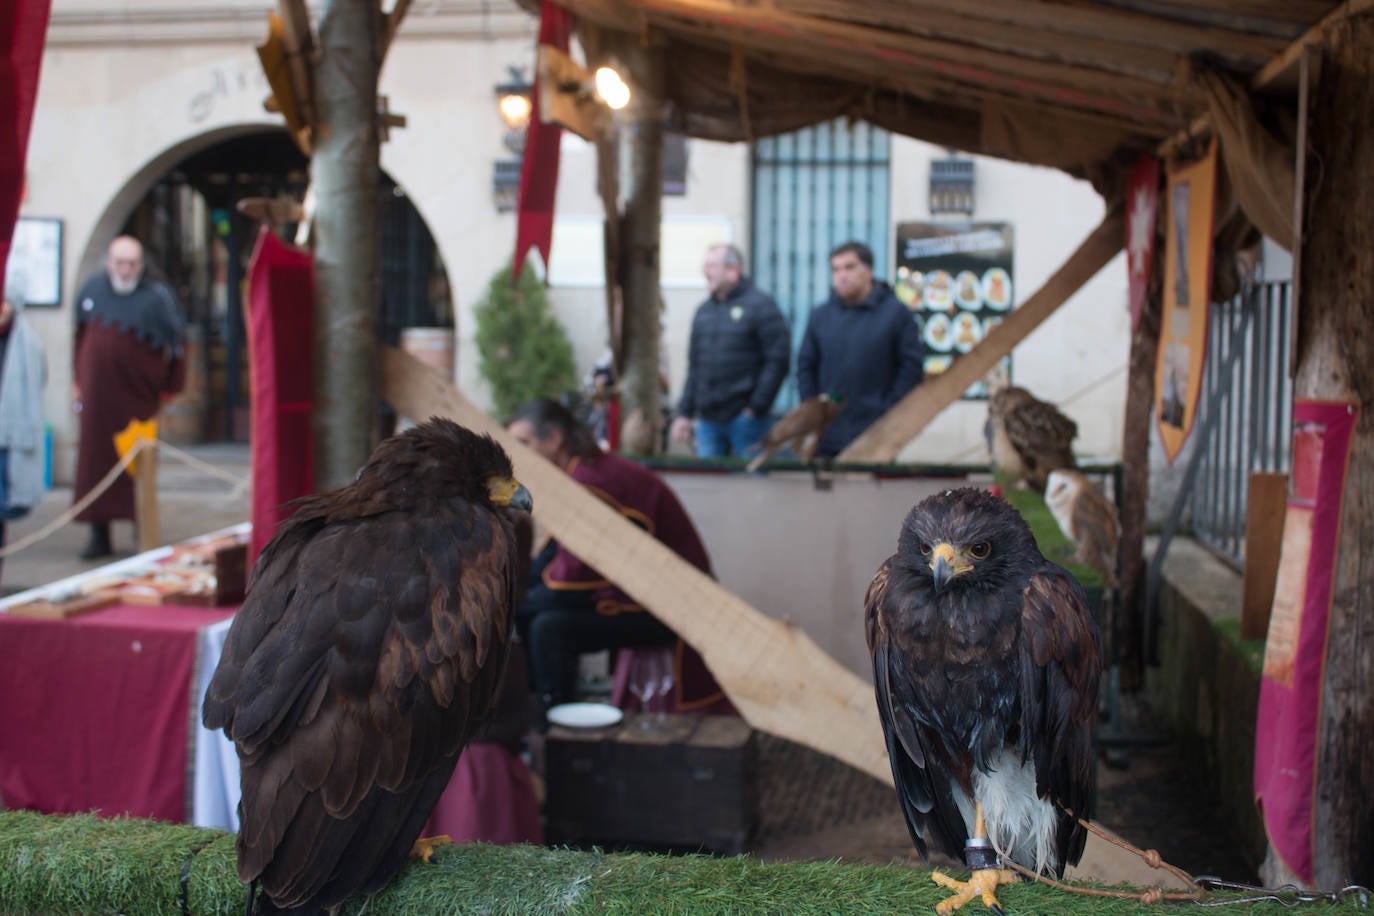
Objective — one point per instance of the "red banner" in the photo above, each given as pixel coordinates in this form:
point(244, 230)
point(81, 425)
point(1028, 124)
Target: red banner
point(22, 27)
point(1295, 650)
point(1187, 290)
point(280, 323)
point(1142, 203)
point(539, 168)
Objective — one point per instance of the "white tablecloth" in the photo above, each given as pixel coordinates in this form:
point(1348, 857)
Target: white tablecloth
point(215, 774)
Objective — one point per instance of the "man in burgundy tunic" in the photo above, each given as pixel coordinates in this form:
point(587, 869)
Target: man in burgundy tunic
point(128, 354)
point(570, 607)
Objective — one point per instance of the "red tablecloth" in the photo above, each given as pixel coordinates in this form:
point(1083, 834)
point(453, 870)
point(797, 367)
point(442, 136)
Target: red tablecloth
point(95, 711)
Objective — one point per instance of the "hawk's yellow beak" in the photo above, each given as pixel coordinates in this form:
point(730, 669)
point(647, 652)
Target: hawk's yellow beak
point(946, 563)
point(507, 491)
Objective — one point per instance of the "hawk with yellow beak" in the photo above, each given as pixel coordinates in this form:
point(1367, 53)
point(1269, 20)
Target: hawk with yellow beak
point(986, 661)
point(367, 654)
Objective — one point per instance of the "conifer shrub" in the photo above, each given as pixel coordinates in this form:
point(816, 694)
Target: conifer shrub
point(524, 351)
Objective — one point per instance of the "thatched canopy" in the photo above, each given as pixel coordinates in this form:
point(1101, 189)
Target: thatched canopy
point(1079, 85)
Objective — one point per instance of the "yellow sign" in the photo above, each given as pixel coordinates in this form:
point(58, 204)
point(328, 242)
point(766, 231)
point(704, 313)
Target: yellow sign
point(1187, 289)
point(127, 438)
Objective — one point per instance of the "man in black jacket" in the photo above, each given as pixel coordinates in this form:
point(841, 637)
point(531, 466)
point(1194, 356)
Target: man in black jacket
point(736, 361)
point(862, 347)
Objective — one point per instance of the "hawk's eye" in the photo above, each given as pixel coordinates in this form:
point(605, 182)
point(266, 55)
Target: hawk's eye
point(925, 548)
point(980, 550)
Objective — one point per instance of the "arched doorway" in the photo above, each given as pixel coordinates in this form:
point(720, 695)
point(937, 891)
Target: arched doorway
point(197, 240)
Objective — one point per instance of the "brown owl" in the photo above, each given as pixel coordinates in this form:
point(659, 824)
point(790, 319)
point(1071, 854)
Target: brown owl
point(1087, 518)
point(1027, 437)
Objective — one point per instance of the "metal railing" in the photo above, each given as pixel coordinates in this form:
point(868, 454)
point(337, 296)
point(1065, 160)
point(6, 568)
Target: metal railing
point(1253, 426)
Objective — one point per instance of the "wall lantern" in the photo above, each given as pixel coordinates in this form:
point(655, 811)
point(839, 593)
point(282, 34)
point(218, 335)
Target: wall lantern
point(951, 185)
point(514, 105)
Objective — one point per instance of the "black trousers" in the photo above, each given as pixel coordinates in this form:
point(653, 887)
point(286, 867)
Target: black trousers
point(557, 626)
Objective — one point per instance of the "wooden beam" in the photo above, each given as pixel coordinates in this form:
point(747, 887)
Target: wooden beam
point(780, 680)
point(849, 45)
point(890, 434)
point(957, 26)
point(565, 96)
point(1270, 73)
point(1097, 21)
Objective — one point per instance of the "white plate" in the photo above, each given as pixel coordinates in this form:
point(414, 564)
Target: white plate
point(966, 331)
point(968, 291)
point(996, 286)
point(585, 715)
point(938, 334)
point(939, 292)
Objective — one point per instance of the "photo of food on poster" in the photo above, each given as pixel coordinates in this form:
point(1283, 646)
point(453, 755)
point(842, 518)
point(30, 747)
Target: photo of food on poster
point(957, 281)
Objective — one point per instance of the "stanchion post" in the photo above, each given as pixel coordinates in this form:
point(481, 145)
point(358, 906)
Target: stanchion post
point(145, 498)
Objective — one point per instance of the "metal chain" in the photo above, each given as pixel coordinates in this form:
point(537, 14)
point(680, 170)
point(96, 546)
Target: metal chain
point(1289, 895)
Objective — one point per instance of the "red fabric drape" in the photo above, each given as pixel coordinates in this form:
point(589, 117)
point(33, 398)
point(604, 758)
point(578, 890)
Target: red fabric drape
point(280, 326)
point(95, 710)
point(539, 170)
point(22, 28)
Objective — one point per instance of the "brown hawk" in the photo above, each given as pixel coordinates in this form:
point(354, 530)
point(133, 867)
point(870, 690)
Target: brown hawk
point(986, 663)
point(367, 653)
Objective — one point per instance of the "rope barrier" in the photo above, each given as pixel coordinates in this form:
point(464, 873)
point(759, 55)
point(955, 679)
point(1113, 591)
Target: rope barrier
point(240, 484)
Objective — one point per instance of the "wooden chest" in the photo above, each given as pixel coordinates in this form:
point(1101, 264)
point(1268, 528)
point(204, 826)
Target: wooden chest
point(682, 783)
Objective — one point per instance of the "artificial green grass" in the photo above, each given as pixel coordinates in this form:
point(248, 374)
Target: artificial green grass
point(1251, 650)
point(1053, 544)
point(84, 865)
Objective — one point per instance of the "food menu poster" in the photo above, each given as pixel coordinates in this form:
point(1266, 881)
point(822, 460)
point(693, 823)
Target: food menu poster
point(957, 281)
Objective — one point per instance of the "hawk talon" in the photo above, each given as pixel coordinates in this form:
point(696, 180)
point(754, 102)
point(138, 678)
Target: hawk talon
point(982, 883)
point(424, 847)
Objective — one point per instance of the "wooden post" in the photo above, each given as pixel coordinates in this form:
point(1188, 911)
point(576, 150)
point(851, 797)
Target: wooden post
point(1265, 507)
point(1336, 362)
point(894, 429)
point(344, 173)
point(1129, 632)
point(146, 516)
point(641, 393)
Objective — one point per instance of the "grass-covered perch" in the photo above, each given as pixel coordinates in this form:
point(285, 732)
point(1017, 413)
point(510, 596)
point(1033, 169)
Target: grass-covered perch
point(81, 864)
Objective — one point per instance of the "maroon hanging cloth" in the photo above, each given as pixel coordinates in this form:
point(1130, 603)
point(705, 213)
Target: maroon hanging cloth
point(280, 324)
point(22, 28)
point(539, 169)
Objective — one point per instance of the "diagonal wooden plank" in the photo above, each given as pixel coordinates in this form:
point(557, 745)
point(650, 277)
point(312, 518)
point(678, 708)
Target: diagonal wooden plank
point(780, 680)
point(894, 429)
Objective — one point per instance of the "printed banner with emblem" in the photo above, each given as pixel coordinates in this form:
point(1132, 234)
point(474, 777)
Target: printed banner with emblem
point(1187, 285)
point(1286, 727)
point(1142, 202)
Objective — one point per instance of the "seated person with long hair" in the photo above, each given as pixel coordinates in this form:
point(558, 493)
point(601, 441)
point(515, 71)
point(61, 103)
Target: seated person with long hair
point(571, 608)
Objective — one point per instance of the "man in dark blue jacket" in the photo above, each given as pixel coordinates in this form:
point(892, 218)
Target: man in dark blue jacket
point(862, 346)
point(736, 361)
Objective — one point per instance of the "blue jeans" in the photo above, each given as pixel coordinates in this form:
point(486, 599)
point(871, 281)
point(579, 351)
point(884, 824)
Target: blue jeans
point(738, 437)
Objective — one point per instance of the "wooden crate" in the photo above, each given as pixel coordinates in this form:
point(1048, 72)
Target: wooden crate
point(683, 783)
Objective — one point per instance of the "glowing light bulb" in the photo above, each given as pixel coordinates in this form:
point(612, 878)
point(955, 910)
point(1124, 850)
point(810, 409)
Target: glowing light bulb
point(612, 88)
point(515, 110)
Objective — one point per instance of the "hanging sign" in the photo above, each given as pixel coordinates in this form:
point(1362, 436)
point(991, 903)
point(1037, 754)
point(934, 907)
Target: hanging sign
point(1187, 283)
point(1142, 202)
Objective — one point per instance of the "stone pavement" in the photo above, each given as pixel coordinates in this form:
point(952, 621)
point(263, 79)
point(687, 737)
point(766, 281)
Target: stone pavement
point(192, 501)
